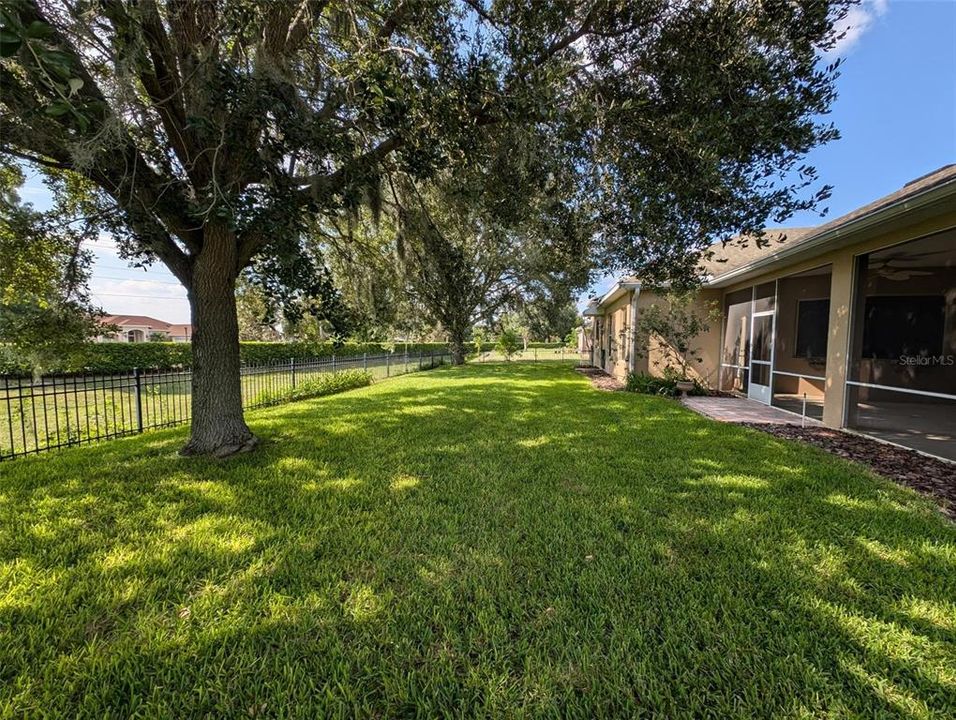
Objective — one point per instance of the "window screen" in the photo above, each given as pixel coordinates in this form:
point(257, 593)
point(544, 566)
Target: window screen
point(813, 322)
point(896, 325)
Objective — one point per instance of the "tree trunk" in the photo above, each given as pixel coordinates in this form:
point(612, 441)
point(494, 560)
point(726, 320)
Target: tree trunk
point(218, 427)
point(456, 342)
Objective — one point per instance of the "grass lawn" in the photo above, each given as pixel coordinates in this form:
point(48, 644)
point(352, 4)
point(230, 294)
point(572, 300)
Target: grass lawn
point(498, 540)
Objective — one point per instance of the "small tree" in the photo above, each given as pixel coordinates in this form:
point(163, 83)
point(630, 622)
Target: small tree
point(253, 312)
point(509, 342)
point(674, 327)
point(571, 339)
point(478, 340)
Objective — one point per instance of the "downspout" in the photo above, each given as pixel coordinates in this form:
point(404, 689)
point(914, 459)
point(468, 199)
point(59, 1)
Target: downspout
point(632, 329)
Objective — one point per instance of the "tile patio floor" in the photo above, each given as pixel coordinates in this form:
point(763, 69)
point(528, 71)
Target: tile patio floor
point(742, 410)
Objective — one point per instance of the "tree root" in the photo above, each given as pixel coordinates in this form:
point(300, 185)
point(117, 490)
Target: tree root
point(224, 450)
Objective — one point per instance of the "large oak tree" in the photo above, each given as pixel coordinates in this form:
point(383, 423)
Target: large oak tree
point(215, 128)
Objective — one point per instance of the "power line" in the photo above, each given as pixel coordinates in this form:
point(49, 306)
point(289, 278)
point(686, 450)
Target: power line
point(152, 269)
point(105, 246)
point(155, 268)
point(113, 277)
point(144, 297)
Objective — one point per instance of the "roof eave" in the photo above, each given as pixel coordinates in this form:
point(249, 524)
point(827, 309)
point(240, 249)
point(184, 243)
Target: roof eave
point(591, 310)
point(841, 235)
point(615, 293)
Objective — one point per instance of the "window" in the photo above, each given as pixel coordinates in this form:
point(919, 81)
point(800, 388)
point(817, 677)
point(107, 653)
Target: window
point(624, 331)
point(813, 323)
point(898, 325)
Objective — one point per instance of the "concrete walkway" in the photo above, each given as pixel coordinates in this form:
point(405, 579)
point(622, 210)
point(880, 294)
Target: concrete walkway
point(742, 410)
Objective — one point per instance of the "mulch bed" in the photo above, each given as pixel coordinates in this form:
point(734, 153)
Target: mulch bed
point(924, 474)
point(600, 379)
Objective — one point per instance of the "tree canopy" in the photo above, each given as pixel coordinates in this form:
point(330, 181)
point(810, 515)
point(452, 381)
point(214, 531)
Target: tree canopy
point(216, 131)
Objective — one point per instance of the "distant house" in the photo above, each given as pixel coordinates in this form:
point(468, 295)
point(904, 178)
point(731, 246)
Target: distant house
point(179, 332)
point(142, 328)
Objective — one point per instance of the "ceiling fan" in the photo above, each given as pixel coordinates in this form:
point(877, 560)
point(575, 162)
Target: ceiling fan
point(894, 266)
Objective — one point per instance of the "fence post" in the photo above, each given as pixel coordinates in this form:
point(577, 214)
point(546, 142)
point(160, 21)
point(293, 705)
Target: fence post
point(421, 356)
point(333, 362)
point(536, 354)
point(365, 361)
point(388, 364)
point(138, 391)
point(292, 366)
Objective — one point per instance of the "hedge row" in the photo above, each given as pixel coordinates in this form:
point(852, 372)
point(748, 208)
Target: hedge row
point(123, 357)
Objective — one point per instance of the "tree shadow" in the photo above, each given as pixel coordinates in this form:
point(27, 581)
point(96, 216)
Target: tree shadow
point(493, 540)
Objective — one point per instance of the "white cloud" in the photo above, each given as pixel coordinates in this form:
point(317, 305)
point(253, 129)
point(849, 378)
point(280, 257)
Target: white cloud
point(858, 20)
point(141, 297)
point(121, 290)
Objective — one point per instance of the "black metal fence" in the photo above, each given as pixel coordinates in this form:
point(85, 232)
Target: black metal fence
point(65, 410)
point(534, 354)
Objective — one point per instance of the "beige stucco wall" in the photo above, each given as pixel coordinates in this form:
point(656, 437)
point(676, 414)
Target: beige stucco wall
point(839, 285)
point(614, 331)
point(652, 357)
point(790, 292)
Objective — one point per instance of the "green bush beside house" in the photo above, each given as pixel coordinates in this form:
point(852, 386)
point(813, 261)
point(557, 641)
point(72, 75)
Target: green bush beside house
point(666, 385)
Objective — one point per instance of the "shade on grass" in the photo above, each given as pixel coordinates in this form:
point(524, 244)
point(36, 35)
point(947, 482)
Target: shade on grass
point(495, 540)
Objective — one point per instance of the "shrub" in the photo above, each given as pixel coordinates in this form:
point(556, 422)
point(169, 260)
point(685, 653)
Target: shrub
point(666, 385)
point(650, 385)
point(105, 358)
point(328, 384)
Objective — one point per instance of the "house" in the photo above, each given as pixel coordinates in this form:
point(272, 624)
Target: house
point(141, 328)
point(852, 322)
point(179, 332)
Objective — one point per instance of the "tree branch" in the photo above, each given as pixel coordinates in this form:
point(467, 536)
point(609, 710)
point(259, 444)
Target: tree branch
point(163, 84)
point(320, 185)
point(35, 159)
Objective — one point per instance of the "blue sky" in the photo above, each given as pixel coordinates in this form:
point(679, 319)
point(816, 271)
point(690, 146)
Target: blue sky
point(896, 109)
point(896, 112)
